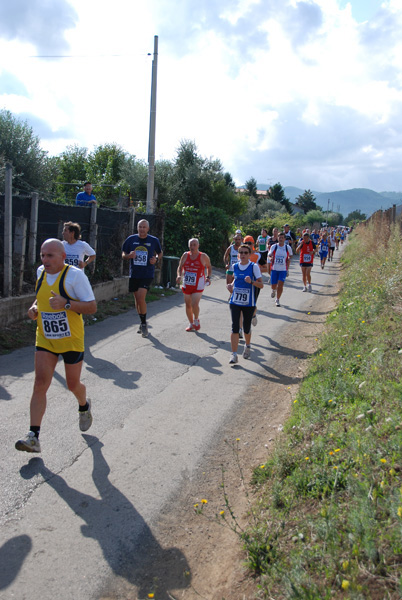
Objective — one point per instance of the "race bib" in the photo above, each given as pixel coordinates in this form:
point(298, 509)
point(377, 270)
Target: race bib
point(190, 278)
point(241, 296)
point(307, 258)
point(72, 261)
point(279, 260)
point(234, 260)
point(141, 258)
point(55, 325)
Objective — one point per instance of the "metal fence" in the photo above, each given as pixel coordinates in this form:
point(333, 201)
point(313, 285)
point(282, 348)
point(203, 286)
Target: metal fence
point(104, 229)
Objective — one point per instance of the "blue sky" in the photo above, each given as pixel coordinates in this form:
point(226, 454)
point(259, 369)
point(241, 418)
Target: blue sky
point(304, 92)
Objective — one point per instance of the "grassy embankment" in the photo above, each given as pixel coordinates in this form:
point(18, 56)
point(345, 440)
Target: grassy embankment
point(22, 334)
point(328, 521)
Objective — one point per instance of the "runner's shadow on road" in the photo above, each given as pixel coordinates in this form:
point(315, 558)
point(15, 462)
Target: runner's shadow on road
point(110, 371)
point(127, 542)
point(209, 363)
point(12, 556)
point(285, 350)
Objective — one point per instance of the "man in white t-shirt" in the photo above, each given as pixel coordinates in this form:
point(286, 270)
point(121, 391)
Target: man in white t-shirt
point(76, 250)
point(280, 255)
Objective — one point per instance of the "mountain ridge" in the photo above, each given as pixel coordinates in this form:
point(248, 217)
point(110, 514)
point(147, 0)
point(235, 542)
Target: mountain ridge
point(346, 201)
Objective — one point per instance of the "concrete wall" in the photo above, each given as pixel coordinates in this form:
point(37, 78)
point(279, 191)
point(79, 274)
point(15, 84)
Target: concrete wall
point(15, 308)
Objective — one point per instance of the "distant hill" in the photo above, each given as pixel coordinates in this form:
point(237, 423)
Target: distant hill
point(345, 201)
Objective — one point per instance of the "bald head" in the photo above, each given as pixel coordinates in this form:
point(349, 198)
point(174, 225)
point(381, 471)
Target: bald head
point(53, 255)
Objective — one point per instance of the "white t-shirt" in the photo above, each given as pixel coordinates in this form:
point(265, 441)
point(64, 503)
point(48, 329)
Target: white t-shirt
point(76, 283)
point(281, 254)
point(76, 252)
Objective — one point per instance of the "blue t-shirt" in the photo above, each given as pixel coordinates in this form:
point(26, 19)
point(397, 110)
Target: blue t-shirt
point(243, 292)
point(145, 249)
point(83, 199)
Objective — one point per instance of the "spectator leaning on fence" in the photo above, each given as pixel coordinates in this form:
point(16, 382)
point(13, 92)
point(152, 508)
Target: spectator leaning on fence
point(85, 198)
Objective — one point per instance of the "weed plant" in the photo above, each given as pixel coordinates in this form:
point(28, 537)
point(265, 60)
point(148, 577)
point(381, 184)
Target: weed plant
point(334, 481)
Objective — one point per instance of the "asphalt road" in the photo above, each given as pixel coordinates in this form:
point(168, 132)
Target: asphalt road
point(80, 513)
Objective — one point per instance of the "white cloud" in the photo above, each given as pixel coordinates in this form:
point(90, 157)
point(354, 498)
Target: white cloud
point(290, 91)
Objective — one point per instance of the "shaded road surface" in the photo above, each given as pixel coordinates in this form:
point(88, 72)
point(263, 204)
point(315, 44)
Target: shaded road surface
point(81, 513)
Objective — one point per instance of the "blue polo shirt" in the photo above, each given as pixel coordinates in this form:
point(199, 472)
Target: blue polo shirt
point(83, 199)
point(145, 249)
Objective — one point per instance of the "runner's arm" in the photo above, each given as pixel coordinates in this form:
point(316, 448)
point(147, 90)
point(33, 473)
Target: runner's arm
point(226, 257)
point(180, 267)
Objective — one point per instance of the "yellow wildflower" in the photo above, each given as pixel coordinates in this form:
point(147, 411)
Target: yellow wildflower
point(331, 453)
point(345, 584)
point(337, 450)
point(195, 505)
point(222, 513)
point(151, 595)
point(400, 511)
point(383, 460)
point(262, 467)
point(203, 501)
point(307, 458)
point(345, 565)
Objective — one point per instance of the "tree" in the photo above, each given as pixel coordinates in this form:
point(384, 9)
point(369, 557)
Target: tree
point(105, 171)
point(251, 187)
point(71, 167)
point(356, 216)
point(307, 201)
point(277, 193)
point(20, 146)
point(315, 218)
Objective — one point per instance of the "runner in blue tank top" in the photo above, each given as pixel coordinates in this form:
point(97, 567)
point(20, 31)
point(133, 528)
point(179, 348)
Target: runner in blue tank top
point(247, 277)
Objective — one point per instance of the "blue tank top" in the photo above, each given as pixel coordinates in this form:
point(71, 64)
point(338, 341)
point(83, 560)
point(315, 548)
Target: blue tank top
point(243, 293)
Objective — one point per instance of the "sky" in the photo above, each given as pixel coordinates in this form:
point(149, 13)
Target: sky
point(307, 93)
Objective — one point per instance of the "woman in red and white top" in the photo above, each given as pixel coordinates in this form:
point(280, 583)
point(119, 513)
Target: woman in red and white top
point(307, 250)
point(194, 264)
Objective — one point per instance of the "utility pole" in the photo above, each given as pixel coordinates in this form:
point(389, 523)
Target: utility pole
point(152, 128)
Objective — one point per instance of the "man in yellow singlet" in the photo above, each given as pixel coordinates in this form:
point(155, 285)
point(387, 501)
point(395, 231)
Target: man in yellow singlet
point(63, 295)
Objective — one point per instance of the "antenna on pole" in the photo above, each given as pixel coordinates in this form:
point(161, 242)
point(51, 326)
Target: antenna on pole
point(152, 128)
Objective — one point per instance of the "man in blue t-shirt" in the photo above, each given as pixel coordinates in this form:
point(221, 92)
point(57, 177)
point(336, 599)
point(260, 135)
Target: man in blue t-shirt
point(143, 251)
point(85, 198)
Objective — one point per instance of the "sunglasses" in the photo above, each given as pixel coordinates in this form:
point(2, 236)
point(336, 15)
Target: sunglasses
point(249, 243)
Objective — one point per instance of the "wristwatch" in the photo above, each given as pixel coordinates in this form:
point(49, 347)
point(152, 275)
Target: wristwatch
point(67, 306)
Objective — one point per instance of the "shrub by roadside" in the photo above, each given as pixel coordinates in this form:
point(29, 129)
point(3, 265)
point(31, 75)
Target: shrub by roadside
point(328, 521)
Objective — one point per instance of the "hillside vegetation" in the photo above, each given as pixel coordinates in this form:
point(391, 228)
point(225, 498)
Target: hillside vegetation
point(328, 519)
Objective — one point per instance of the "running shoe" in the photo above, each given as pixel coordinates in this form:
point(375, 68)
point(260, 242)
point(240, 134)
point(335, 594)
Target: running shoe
point(144, 330)
point(246, 352)
point(310, 289)
point(241, 334)
point(254, 320)
point(85, 418)
point(139, 330)
point(30, 444)
point(197, 325)
point(234, 359)
point(273, 294)
point(277, 302)
point(322, 266)
point(191, 327)
point(304, 289)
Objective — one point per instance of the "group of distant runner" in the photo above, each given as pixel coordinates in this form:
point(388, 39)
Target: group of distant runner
point(64, 294)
